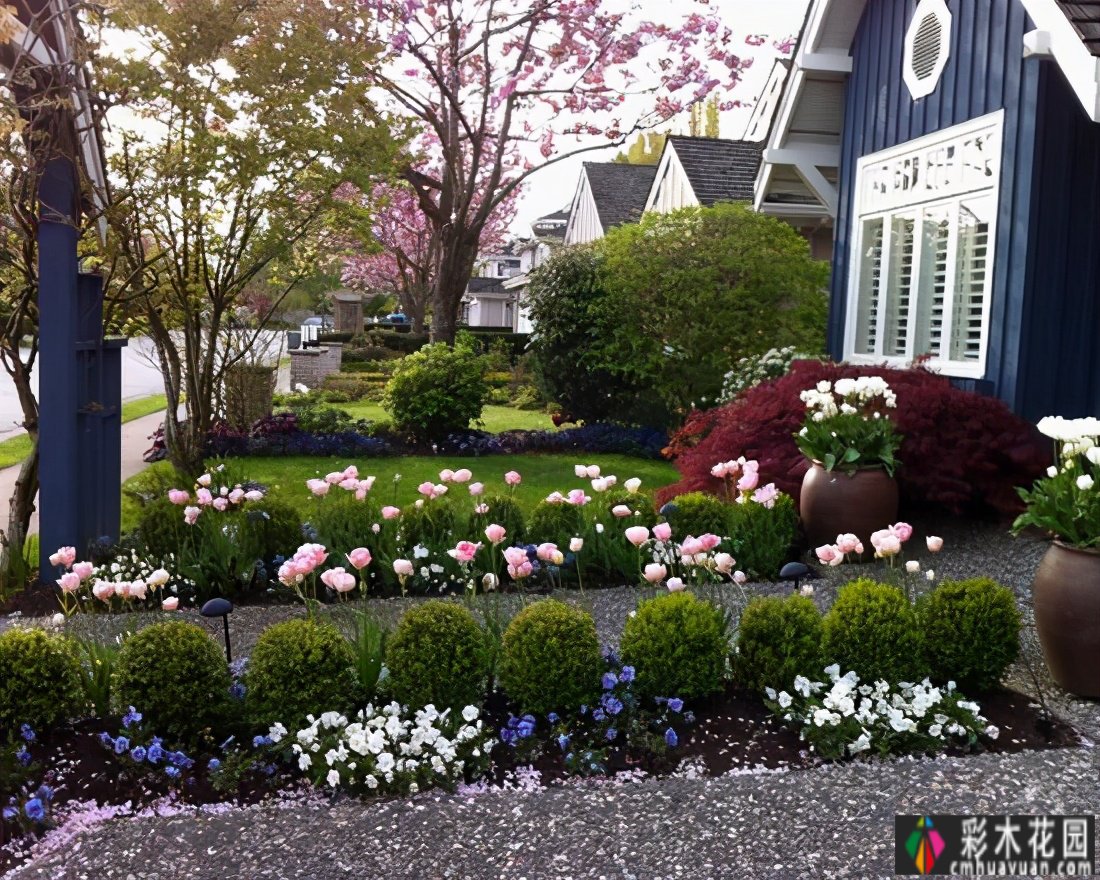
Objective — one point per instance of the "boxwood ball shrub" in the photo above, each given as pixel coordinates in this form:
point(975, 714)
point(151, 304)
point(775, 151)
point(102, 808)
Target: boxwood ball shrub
point(176, 675)
point(436, 391)
point(271, 527)
point(502, 511)
point(640, 504)
point(778, 639)
point(678, 644)
point(430, 524)
point(761, 538)
point(556, 523)
point(872, 628)
point(971, 632)
point(298, 668)
point(438, 654)
point(698, 513)
point(39, 680)
point(550, 658)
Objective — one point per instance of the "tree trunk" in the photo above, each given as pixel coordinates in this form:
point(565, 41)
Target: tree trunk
point(19, 519)
point(459, 256)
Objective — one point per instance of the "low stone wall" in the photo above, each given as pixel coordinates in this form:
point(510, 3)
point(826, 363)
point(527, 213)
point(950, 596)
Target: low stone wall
point(309, 366)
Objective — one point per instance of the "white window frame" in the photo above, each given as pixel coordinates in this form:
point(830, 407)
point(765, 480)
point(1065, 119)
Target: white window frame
point(864, 210)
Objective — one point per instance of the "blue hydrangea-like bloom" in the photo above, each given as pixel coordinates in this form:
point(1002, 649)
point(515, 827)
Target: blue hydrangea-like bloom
point(131, 717)
point(155, 754)
point(23, 756)
point(611, 705)
point(122, 745)
point(35, 809)
point(213, 765)
point(258, 741)
point(598, 715)
point(675, 704)
point(508, 736)
point(526, 727)
point(27, 732)
point(172, 772)
point(138, 753)
point(627, 675)
point(563, 742)
point(671, 739)
point(611, 734)
point(610, 679)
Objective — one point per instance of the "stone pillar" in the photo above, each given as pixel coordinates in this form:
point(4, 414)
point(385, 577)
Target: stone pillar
point(348, 312)
point(309, 366)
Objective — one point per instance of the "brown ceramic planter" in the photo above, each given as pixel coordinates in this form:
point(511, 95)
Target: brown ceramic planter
point(835, 503)
point(1066, 592)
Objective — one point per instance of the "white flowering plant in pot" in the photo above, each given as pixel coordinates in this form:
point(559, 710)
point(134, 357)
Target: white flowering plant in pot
point(844, 718)
point(848, 425)
point(1066, 502)
point(385, 751)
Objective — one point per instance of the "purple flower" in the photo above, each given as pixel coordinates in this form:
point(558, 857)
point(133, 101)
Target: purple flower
point(237, 690)
point(138, 753)
point(45, 792)
point(671, 740)
point(35, 810)
point(611, 705)
point(610, 679)
point(107, 739)
point(10, 814)
point(508, 736)
point(258, 741)
point(213, 765)
point(122, 745)
point(180, 760)
point(172, 772)
point(23, 756)
point(627, 675)
point(675, 704)
point(131, 717)
point(611, 734)
point(563, 742)
point(156, 753)
point(27, 732)
point(599, 715)
point(553, 718)
point(526, 726)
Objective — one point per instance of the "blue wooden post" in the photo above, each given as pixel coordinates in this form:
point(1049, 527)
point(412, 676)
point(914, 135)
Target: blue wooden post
point(59, 510)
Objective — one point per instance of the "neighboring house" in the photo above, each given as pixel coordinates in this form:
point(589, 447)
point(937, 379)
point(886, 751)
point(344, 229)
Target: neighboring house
point(549, 235)
point(487, 304)
point(957, 146)
point(608, 194)
point(701, 171)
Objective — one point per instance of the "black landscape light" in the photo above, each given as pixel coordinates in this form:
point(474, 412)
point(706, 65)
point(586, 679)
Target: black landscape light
point(792, 571)
point(220, 608)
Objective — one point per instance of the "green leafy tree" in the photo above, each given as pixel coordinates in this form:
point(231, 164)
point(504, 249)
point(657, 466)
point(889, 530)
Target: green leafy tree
point(690, 292)
point(645, 149)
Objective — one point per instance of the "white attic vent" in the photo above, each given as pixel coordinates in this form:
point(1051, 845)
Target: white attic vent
point(927, 47)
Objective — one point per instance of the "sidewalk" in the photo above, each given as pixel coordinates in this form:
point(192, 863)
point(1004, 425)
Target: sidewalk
point(135, 440)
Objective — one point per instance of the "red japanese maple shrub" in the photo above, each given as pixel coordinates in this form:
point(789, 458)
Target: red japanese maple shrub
point(961, 451)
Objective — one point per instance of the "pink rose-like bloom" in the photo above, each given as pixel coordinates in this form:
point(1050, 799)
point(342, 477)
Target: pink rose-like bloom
point(402, 567)
point(515, 556)
point(578, 498)
point(719, 470)
point(367, 484)
point(724, 563)
point(350, 484)
point(122, 590)
point(749, 480)
point(691, 546)
point(592, 471)
point(662, 531)
point(236, 496)
point(83, 570)
point(204, 480)
point(766, 495)
point(190, 514)
point(221, 504)
point(826, 552)
point(224, 491)
point(253, 495)
point(170, 604)
point(481, 509)
point(522, 570)
point(611, 480)
point(138, 589)
point(655, 572)
point(512, 478)
point(675, 585)
point(709, 541)
point(620, 510)
point(903, 530)
point(351, 472)
point(547, 552)
point(439, 490)
point(886, 543)
point(912, 566)
point(390, 512)
point(495, 533)
point(103, 590)
point(339, 580)
point(848, 543)
point(464, 551)
point(70, 582)
point(65, 557)
point(178, 496)
point(446, 475)
point(739, 577)
point(318, 487)
point(555, 498)
point(600, 484)
point(427, 489)
point(476, 488)
point(463, 475)
point(637, 535)
point(580, 470)
point(359, 557)
point(334, 477)
point(204, 497)
point(935, 543)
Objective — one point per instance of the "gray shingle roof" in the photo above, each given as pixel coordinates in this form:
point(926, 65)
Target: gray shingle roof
point(719, 170)
point(485, 285)
point(619, 190)
point(1084, 15)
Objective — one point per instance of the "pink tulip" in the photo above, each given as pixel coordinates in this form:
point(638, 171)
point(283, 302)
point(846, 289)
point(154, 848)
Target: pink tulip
point(691, 546)
point(637, 535)
point(720, 470)
point(512, 478)
point(122, 590)
point(138, 589)
point(221, 504)
point(367, 484)
point(555, 498)
point(224, 491)
point(749, 480)
point(349, 485)
point(70, 582)
point(439, 490)
point(339, 580)
point(522, 570)
point(600, 485)
point(886, 543)
point(390, 512)
point(724, 563)
point(351, 472)
point(739, 577)
point(253, 495)
point(766, 495)
point(402, 567)
point(662, 532)
point(446, 475)
point(581, 471)
point(592, 471)
point(318, 487)
point(190, 514)
point(481, 509)
point(611, 480)
point(515, 556)
point(170, 604)
point(158, 578)
point(178, 496)
point(204, 480)
point(848, 543)
point(236, 496)
point(751, 465)
point(935, 544)
point(83, 570)
point(464, 551)
point(359, 557)
point(463, 475)
point(655, 572)
point(576, 545)
point(825, 553)
point(578, 498)
point(620, 511)
point(495, 533)
point(709, 541)
point(427, 489)
point(204, 497)
point(65, 557)
point(903, 530)
point(476, 488)
point(103, 590)
point(334, 477)
point(548, 552)
point(675, 585)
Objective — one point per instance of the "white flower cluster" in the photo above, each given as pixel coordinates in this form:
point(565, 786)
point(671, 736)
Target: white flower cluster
point(855, 395)
point(873, 714)
point(1070, 430)
point(751, 371)
point(130, 567)
point(385, 751)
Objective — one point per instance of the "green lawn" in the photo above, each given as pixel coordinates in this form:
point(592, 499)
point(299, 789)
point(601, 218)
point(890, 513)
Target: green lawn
point(495, 418)
point(15, 449)
point(542, 474)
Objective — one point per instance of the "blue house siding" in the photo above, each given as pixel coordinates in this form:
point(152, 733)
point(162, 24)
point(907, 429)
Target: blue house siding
point(985, 72)
point(1062, 307)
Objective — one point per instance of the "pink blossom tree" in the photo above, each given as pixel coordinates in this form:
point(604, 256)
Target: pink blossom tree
point(499, 84)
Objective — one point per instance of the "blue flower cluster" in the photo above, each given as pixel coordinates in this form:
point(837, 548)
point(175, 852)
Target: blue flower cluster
point(36, 808)
point(153, 755)
point(517, 729)
point(596, 438)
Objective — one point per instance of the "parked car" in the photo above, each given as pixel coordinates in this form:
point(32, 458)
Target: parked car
point(325, 322)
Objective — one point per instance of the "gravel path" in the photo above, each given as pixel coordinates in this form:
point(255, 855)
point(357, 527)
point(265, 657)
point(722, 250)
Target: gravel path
point(826, 822)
